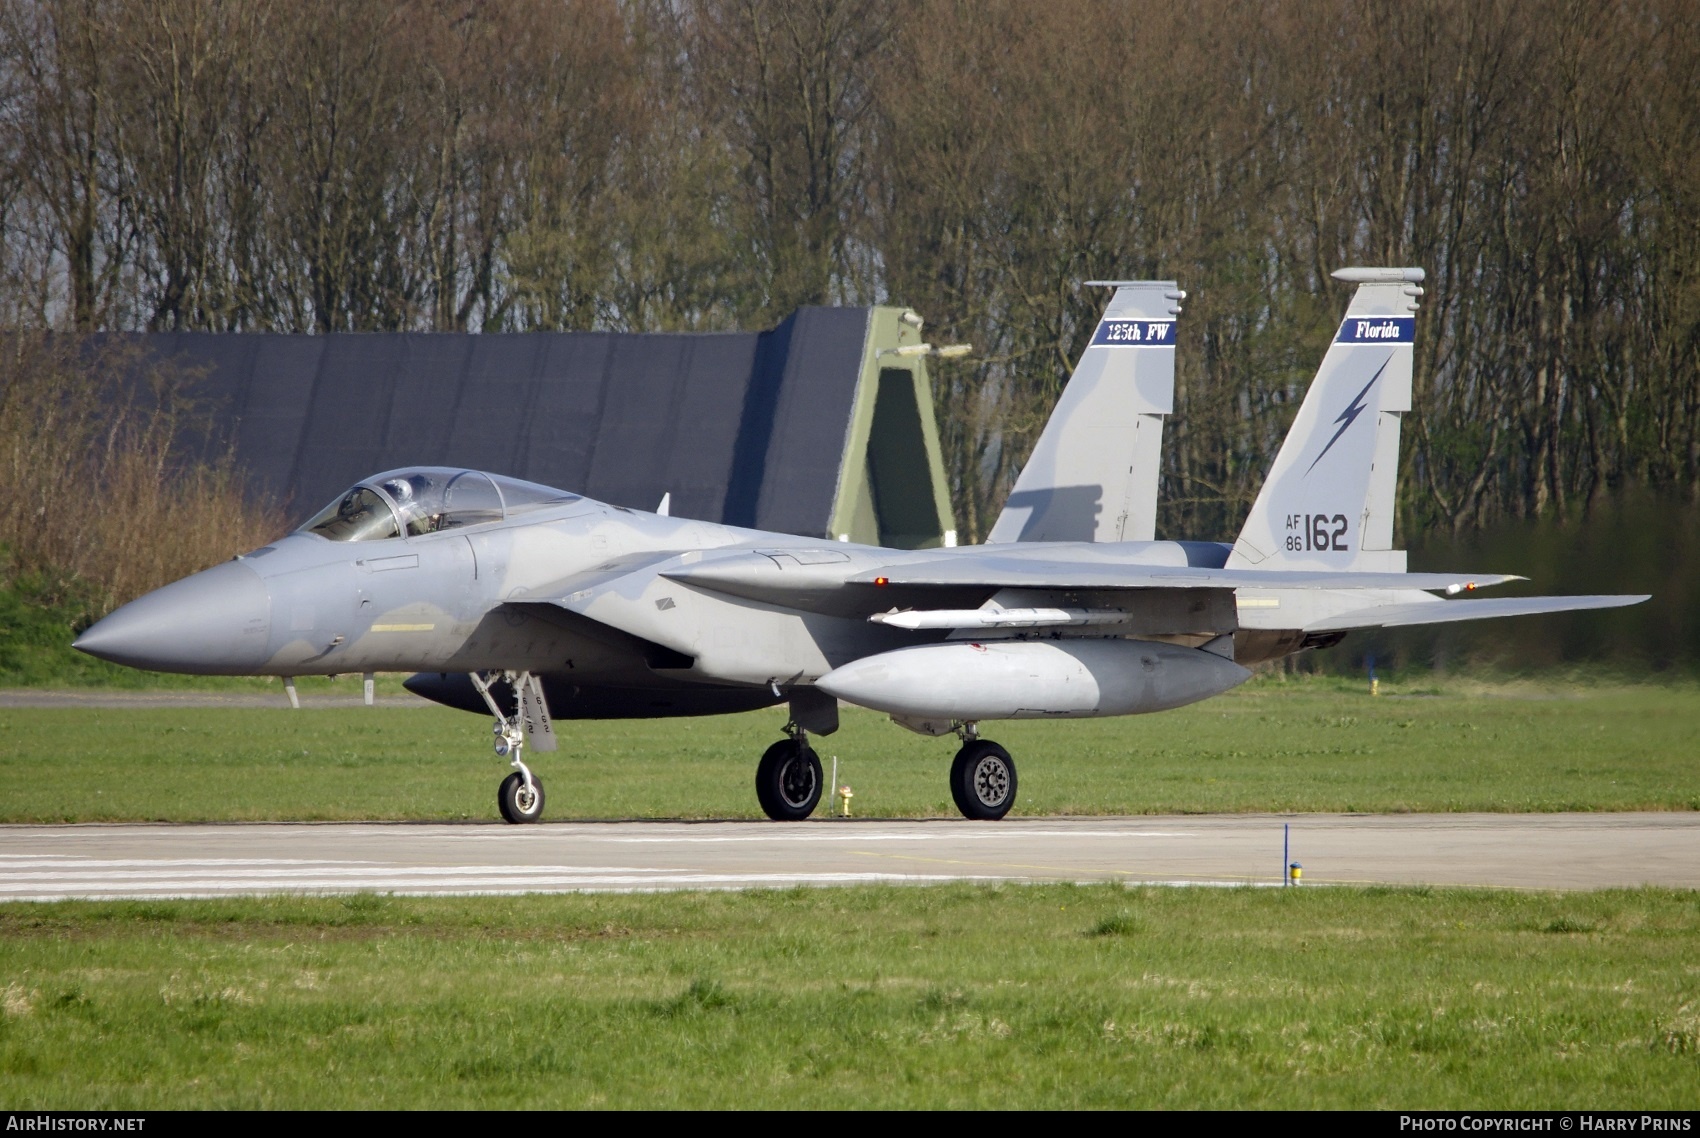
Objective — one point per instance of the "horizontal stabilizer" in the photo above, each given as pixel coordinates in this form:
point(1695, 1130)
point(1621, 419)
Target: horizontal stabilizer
point(1444, 612)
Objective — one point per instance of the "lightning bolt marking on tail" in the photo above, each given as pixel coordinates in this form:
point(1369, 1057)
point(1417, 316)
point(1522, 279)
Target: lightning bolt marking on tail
point(1350, 415)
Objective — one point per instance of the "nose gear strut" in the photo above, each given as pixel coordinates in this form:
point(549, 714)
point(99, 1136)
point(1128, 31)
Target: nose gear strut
point(520, 796)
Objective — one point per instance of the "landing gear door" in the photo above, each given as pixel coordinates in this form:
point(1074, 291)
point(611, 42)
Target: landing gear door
point(534, 714)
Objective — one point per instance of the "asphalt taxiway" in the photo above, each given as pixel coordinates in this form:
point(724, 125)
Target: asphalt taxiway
point(1531, 851)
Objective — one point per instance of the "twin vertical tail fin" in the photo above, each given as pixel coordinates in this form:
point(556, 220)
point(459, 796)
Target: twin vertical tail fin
point(1093, 474)
point(1329, 499)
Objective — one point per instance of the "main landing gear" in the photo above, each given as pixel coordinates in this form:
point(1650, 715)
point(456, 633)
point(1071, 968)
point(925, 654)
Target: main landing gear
point(520, 797)
point(982, 777)
point(789, 783)
point(789, 778)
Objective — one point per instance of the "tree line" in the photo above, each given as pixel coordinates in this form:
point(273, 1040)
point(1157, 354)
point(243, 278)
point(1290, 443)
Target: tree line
point(248, 165)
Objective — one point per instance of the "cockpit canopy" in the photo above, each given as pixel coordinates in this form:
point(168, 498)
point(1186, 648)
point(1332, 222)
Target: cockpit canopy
point(426, 499)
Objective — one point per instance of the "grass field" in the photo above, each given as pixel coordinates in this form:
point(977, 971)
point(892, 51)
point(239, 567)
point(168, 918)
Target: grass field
point(953, 996)
point(1278, 745)
point(950, 996)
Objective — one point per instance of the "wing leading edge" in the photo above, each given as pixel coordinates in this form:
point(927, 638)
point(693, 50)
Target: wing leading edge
point(1445, 612)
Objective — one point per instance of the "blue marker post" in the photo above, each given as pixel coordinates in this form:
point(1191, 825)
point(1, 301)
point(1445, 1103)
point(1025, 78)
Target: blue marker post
point(1286, 839)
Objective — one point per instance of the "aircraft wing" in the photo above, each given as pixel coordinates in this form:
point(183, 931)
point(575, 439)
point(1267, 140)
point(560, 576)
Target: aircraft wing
point(853, 581)
point(1445, 612)
point(778, 579)
point(1011, 573)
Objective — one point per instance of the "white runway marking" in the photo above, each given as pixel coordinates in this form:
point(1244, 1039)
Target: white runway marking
point(73, 882)
point(11, 861)
point(922, 837)
point(1547, 851)
point(236, 872)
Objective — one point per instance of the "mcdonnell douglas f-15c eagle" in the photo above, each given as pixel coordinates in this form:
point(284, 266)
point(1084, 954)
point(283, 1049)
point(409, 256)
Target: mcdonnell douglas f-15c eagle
point(531, 603)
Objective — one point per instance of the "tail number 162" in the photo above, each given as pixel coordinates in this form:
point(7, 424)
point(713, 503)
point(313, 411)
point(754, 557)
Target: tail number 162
point(1309, 533)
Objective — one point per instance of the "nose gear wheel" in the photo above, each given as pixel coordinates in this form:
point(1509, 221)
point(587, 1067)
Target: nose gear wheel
point(520, 801)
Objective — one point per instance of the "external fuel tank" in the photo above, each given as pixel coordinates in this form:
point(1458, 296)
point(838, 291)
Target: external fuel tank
point(1033, 679)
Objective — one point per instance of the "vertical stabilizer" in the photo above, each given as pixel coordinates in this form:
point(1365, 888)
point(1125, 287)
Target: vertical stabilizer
point(1093, 474)
point(1328, 501)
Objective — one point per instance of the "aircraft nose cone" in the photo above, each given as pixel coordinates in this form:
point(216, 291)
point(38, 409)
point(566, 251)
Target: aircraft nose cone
point(213, 623)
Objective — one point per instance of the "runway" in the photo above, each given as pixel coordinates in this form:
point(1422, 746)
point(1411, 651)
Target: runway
point(1529, 851)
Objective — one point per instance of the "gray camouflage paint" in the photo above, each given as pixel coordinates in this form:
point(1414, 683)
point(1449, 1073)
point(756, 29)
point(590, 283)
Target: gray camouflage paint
point(625, 613)
point(586, 592)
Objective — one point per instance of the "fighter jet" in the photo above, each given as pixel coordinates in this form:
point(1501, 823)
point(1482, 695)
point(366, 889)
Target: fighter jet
point(533, 604)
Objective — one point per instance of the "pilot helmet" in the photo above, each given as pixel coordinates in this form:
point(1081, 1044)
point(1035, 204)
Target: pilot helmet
point(399, 489)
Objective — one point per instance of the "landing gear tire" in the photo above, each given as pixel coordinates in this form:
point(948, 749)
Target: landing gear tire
point(516, 802)
point(789, 781)
point(982, 780)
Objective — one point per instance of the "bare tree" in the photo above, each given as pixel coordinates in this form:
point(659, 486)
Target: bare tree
point(789, 84)
point(660, 164)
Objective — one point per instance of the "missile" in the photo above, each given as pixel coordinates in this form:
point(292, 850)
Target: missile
point(998, 617)
point(1032, 679)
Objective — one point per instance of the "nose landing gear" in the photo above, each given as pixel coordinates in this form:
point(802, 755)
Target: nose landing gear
point(520, 797)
